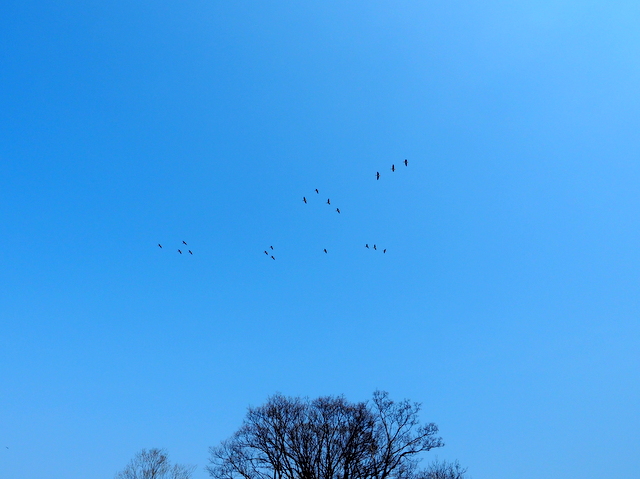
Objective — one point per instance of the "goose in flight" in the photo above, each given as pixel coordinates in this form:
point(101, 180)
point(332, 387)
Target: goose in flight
point(273, 257)
point(190, 252)
point(271, 247)
point(328, 201)
point(384, 250)
point(406, 162)
point(393, 167)
point(317, 191)
point(265, 252)
point(304, 198)
point(366, 245)
point(377, 175)
point(325, 250)
point(179, 251)
point(374, 247)
point(184, 242)
point(338, 210)
point(160, 245)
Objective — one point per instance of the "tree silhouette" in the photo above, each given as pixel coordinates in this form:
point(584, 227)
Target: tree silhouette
point(326, 438)
point(444, 470)
point(154, 464)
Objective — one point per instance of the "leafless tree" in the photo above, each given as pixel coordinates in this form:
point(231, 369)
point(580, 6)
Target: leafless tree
point(443, 470)
point(326, 438)
point(154, 464)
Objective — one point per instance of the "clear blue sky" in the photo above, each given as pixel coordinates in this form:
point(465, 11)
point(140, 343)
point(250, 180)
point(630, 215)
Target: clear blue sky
point(508, 301)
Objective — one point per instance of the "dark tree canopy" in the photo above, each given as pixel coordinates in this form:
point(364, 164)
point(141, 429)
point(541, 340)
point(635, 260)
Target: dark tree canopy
point(326, 438)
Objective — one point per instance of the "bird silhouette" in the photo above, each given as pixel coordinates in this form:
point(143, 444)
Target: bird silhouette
point(304, 199)
point(179, 251)
point(393, 167)
point(325, 250)
point(160, 245)
point(266, 253)
point(317, 191)
point(338, 210)
point(328, 201)
point(184, 242)
point(273, 257)
point(384, 250)
point(377, 175)
point(271, 247)
point(367, 245)
point(374, 247)
point(406, 162)
point(190, 252)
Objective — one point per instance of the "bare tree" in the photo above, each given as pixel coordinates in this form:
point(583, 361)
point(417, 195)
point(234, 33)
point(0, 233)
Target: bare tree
point(444, 470)
point(154, 464)
point(326, 438)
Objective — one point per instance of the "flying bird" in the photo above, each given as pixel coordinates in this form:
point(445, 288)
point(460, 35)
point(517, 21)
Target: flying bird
point(266, 253)
point(179, 251)
point(190, 252)
point(317, 191)
point(271, 247)
point(367, 245)
point(377, 175)
point(328, 201)
point(273, 257)
point(184, 242)
point(325, 250)
point(406, 162)
point(338, 210)
point(393, 167)
point(384, 250)
point(374, 247)
point(160, 245)
point(304, 199)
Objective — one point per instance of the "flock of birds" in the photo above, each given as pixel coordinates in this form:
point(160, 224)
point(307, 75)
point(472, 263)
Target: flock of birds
point(304, 199)
point(179, 250)
point(267, 253)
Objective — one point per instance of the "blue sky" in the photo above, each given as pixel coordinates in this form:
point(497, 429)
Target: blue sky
point(507, 302)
